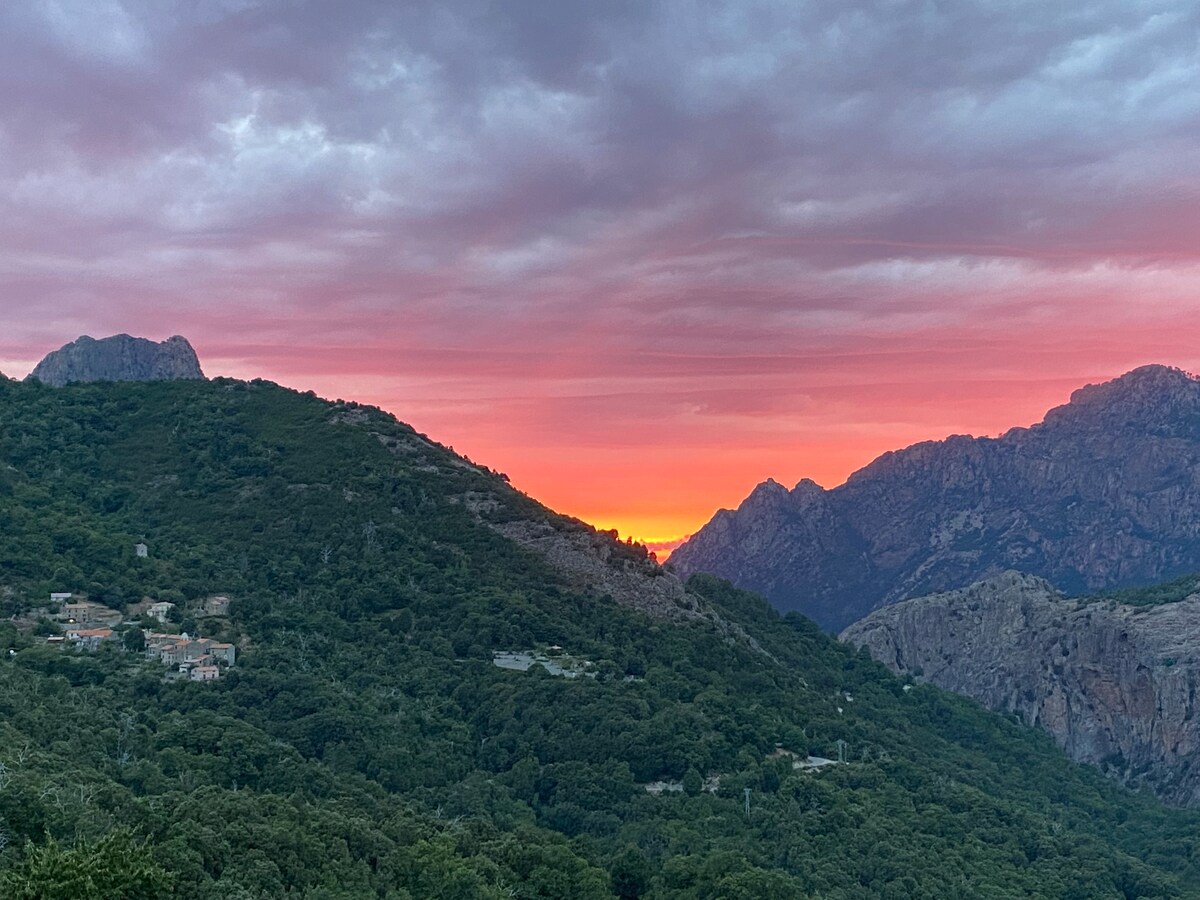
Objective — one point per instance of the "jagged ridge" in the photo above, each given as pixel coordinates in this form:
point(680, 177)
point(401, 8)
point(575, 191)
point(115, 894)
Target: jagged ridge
point(1104, 492)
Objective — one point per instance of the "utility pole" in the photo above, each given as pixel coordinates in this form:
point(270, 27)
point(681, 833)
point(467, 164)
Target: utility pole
point(841, 747)
point(746, 791)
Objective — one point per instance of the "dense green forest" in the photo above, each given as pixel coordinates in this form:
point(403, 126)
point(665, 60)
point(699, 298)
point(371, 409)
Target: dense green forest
point(365, 746)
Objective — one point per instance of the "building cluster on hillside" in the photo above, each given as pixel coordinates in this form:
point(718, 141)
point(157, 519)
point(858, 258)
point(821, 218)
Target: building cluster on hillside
point(198, 658)
point(87, 625)
point(83, 638)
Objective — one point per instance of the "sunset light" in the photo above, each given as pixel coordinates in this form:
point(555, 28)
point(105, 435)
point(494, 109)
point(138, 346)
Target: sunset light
point(599, 449)
point(637, 267)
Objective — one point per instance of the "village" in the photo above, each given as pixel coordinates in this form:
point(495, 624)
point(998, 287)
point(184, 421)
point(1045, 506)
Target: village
point(87, 626)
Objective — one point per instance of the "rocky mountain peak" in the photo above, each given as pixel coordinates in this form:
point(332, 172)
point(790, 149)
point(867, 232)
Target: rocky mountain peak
point(767, 494)
point(806, 488)
point(1105, 492)
point(1148, 394)
point(1152, 379)
point(121, 357)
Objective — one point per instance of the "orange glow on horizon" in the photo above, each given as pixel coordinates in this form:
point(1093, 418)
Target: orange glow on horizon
point(639, 269)
point(657, 458)
point(659, 495)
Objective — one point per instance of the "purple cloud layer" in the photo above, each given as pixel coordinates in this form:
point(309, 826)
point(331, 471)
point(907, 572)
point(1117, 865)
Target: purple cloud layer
point(663, 228)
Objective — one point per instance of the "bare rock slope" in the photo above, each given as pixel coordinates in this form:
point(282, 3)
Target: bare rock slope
point(119, 358)
point(586, 559)
point(1114, 684)
point(1104, 492)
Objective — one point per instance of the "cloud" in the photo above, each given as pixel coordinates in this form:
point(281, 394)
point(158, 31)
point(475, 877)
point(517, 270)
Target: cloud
point(682, 227)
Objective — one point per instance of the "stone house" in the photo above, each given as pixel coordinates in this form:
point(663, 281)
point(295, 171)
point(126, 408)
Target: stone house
point(222, 652)
point(216, 606)
point(161, 610)
point(156, 641)
point(186, 652)
point(88, 613)
point(174, 654)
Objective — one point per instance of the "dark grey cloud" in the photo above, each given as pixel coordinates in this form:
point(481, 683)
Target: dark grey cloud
point(637, 98)
point(708, 169)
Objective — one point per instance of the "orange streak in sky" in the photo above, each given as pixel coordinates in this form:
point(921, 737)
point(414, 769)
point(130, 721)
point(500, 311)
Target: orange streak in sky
point(653, 443)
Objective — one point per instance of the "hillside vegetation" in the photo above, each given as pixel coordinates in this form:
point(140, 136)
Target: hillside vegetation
point(1152, 595)
point(365, 746)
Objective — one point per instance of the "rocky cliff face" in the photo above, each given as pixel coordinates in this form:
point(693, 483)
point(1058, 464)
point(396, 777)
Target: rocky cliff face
point(1105, 492)
point(1115, 685)
point(119, 358)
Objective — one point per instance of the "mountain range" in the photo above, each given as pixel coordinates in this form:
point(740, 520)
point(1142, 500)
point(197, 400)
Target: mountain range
point(444, 689)
point(1103, 493)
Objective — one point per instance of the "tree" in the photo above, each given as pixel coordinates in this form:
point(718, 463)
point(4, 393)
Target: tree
point(134, 640)
point(631, 874)
point(45, 628)
point(117, 867)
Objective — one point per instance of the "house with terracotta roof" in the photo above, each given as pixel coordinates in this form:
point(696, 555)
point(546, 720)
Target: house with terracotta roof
point(88, 638)
point(187, 652)
point(222, 652)
point(175, 653)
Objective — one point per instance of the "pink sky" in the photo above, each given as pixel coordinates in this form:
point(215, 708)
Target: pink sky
point(654, 446)
point(638, 257)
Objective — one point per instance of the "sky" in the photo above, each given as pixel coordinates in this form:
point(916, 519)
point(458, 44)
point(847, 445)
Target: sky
point(638, 255)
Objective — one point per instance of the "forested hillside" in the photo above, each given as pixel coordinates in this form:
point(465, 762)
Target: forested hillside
point(366, 746)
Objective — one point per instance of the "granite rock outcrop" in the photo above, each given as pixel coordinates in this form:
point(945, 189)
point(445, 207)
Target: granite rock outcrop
point(1113, 684)
point(119, 358)
point(1105, 492)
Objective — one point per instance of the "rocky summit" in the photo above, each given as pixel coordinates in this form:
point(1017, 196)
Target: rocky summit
point(119, 358)
point(1113, 683)
point(1104, 492)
